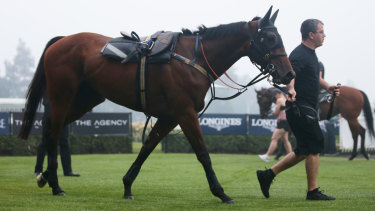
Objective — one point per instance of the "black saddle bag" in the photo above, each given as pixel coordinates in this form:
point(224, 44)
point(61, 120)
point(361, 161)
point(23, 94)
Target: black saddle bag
point(307, 112)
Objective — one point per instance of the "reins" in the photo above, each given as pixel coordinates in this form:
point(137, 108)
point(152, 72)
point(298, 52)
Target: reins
point(266, 71)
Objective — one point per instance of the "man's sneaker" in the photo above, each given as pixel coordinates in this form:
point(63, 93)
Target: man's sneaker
point(71, 174)
point(264, 157)
point(265, 178)
point(58, 192)
point(318, 195)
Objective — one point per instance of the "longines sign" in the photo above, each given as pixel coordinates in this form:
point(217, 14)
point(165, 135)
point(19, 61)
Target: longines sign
point(261, 126)
point(223, 124)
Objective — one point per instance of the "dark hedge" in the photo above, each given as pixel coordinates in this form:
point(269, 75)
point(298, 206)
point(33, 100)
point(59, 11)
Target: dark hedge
point(11, 145)
point(246, 144)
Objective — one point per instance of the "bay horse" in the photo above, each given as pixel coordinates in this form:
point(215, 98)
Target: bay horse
point(349, 104)
point(77, 78)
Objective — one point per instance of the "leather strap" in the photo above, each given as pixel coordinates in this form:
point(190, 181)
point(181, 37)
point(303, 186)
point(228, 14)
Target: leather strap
point(142, 80)
point(195, 65)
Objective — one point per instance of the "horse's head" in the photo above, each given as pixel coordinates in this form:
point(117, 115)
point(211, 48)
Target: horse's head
point(267, 49)
point(265, 99)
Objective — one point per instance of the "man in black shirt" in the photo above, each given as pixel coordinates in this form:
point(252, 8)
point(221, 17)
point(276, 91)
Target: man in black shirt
point(301, 114)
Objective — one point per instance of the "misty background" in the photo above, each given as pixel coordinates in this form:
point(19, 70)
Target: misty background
point(347, 53)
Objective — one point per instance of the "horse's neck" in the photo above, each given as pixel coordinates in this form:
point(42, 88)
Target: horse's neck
point(221, 54)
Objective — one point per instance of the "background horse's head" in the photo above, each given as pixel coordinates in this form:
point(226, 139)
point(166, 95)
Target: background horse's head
point(267, 49)
point(265, 98)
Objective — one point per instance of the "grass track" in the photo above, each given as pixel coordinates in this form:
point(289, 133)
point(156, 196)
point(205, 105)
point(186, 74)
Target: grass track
point(177, 182)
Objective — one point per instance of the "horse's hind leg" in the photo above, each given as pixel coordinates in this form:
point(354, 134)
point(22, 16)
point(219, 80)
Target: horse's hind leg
point(354, 151)
point(356, 130)
point(161, 129)
point(54, 128)
point(190, 125)
point(363, 150)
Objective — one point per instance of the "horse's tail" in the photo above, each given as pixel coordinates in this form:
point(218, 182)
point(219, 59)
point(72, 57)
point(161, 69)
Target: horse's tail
point(34, 94)
point(368, 114)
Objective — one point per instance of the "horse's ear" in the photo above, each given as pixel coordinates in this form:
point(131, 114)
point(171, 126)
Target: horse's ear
point(265, 20)
point(273, 18)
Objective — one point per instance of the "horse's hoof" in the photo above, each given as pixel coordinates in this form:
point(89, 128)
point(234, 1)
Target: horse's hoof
point(58, 192)
point(41, 181)
point(128, 197)
point(62, 193)
point(226, 199)
point(231, 201)
point(352, 157)
point(367, 156)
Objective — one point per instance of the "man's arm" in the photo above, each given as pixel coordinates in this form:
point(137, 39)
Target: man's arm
point(291, 90)
point(330, 89)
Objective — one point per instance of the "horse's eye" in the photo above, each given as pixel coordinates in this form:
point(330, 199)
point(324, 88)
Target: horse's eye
point(271, 39)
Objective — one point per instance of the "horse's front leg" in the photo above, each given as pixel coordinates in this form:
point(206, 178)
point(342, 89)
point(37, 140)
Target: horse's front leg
point(190, 125)
point(161, 129)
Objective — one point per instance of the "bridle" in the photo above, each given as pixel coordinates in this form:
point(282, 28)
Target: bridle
point(266, 67)
point(264, 63)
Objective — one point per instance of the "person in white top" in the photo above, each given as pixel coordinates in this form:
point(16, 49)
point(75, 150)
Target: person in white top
point(282, 127)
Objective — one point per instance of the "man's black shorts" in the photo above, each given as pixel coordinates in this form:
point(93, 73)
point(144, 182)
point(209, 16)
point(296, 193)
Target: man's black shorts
point(309, 136)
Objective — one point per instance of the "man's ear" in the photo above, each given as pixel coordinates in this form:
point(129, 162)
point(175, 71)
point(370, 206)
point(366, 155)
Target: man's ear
point(311, 36)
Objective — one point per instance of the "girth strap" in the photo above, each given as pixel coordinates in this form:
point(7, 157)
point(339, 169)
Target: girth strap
point(193, 64)
point(142, 80)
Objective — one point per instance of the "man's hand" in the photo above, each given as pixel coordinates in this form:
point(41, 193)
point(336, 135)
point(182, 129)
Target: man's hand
point(292, 95)
point(334, 89)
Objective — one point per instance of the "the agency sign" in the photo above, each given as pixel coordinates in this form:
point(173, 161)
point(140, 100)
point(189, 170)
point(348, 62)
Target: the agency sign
point(261, 126)
point(103, 123)
point(17, 118)
point(223, 124)
point(4, 123)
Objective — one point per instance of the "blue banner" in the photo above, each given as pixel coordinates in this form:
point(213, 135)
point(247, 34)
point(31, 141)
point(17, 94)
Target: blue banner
point(261, 126)
point(4, 124)
point(223, 124)
point(17, 118)
point(103, 123)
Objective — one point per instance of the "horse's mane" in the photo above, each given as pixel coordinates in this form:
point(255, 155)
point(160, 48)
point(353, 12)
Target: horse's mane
point(216, 32)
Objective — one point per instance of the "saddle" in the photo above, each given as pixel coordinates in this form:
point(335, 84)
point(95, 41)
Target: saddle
point(324, 98)
point(129, 48)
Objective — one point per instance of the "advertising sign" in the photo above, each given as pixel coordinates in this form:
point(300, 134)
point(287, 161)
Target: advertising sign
point(223, 124)
point(4, 124)
point(103, 123)
point(17, 118)
point(261, 126)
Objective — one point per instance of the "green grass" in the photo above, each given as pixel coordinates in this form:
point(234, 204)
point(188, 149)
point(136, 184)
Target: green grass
point(177, 182)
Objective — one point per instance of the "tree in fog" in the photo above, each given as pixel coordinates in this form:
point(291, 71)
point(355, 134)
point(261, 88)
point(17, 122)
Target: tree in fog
point(18, 74)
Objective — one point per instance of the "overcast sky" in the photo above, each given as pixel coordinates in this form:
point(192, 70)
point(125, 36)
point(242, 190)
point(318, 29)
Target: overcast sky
point(348, 52)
